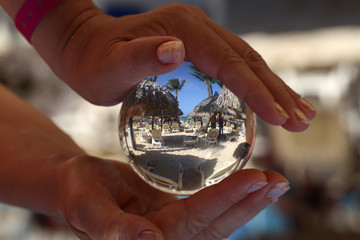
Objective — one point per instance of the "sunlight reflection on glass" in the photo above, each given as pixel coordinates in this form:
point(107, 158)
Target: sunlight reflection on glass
point(183, 131)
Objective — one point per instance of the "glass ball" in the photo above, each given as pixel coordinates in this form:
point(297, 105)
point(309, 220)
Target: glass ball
point(184, 131)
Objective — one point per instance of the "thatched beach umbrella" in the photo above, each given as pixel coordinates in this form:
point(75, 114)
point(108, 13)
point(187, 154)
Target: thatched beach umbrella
point(207, 107)
point(235, 107)
point(158, 100)
point(149, 99)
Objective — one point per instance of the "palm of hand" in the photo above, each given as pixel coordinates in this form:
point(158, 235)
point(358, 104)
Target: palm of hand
point(107, 200)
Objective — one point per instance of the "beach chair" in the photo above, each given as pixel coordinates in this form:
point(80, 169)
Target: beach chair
point(168, 175)
point(198, 124)
point(148, 127)
point(145, 137)
point(191, 124)
point(214, 171)
point(228, 126)
point(157, 137)
point(166, 128)
point(191, 140)
point(175, 127)
point(212, 136)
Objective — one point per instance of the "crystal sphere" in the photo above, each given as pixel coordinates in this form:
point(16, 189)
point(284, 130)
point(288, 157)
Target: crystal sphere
point(183, 131)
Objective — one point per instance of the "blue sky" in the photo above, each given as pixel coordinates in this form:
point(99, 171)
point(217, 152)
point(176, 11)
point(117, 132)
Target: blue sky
point(192, 93)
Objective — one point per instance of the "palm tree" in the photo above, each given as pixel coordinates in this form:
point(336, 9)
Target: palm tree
point(205, 78)
point(175, 85)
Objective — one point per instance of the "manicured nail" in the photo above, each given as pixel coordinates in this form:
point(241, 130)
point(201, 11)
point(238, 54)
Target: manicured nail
point(301, 116)
point(149, 235)
point(256, 186)
point(281, 111)
point(307, 105)
point(277, 191)
point(170, 52)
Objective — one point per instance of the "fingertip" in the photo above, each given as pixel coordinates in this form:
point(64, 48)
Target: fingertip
point(171, 52)
point(298, 122)
point(273, 176)
point(149, 235)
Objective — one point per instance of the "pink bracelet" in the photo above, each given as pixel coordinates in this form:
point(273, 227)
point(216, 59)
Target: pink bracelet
point(30, 15)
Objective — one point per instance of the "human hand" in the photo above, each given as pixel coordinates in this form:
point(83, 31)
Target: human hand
point(103, 58)
point(104, 199)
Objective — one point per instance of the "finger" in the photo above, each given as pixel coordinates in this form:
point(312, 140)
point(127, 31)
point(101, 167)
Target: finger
point(195, 213)
point(97, 216)
point(283, 95)
point(306, 107)
point(214, 56)
point(130, 62)
point(244, 210)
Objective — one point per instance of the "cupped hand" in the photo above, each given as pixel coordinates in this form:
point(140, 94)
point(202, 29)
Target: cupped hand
point(103, 58)
point(104, 199)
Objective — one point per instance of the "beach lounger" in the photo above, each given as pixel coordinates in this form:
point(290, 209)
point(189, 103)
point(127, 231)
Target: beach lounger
point(212, 136)
point(157, 137)
point(148, 127)
point(191, 140)
point(145, 137)
point(175, 127)
point(167, 175)
point(166, 128)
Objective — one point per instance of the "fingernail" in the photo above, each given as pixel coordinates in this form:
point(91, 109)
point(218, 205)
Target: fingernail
point(281, 111)
point(277, 191)
point(301, 116)
point(257, 186)
point(307, 105)
point(149, 235)
point(170, 52)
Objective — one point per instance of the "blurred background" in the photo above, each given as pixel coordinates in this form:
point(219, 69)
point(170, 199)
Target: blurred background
point(314, 45)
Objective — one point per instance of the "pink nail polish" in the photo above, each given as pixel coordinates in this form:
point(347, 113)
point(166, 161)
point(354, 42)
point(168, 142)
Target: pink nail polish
point(281, 111)
point(301, 116)
point(149, 235)
point(277, 191)
point(256, 186)
point(307, 105)
point(170, 52)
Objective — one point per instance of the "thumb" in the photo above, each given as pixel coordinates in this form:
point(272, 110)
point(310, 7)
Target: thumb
point(153, 55)
point(134, 61)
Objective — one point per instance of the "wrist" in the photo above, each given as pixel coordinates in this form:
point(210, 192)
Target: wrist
point(31, 14)
point(57, 28)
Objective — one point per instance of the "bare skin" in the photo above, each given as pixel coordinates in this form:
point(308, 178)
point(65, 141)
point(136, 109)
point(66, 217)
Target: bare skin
point(105, 199)
point(103, 58)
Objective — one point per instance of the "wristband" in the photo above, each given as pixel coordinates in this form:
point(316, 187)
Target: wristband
point(30, 15)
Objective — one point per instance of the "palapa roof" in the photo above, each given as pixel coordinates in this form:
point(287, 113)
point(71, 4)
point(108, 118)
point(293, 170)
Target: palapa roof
point(228, 100)
point(206, 106)
point(152, 99)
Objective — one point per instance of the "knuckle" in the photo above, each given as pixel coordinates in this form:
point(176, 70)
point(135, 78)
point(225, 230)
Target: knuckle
point(217, 234)
point(252, 56)
point(180, 9)
point(176, 13)
point(194, 225)
point(185, 8)
point(230, 60)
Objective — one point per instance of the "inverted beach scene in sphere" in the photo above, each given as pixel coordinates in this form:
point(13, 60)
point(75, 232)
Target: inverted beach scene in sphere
point(183, 131)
